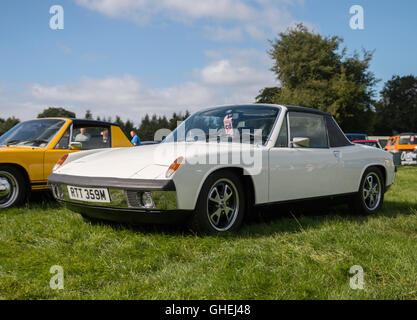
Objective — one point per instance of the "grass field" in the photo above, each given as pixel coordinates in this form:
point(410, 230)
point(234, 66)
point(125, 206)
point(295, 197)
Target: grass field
point(295, 256)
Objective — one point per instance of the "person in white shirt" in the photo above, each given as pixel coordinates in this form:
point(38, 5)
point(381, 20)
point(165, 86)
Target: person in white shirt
point(82, 136)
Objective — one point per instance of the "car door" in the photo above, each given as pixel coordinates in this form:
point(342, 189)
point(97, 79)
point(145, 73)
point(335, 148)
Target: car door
point(53, 154)
point(349, 160)
point(302, 172)
point(78, 136)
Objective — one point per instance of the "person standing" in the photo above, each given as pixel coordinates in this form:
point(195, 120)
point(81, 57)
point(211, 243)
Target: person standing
point(135, 139)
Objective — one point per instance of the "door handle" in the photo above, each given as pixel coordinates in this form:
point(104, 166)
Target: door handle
point(336, 154)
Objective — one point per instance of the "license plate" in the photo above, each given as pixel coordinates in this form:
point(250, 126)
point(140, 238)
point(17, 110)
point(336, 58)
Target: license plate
point(100, 195)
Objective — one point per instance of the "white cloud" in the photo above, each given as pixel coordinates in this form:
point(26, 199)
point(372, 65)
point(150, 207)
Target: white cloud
point(230, 77)
point(137, 10)
point(224, 35)
point(227, 73)
point(225, 20)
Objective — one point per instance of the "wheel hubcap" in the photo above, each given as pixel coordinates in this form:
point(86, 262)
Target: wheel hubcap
point(222, 204)
point(9, 189)
point(372, 191)
point(4, 188)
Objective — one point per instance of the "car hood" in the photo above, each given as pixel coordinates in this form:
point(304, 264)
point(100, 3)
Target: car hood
point(145, 162)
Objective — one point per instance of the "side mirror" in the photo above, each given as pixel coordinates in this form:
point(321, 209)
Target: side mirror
point(300, 142)
point(76, 145)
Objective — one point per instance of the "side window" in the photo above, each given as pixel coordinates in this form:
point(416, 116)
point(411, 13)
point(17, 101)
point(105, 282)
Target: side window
point(91, 137)
point(63, 143)
point(336, 135)
point(282, 141)
point(311, 126)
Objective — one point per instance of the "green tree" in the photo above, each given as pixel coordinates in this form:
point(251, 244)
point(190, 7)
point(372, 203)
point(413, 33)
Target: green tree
point(145, 131)
point(56, 112)
point(397, 109)
point(126, 127)
point(268, 95)
point(314, 72)
point(176, 118)
point(150, 124)
point(88, 115)
point(7, 124)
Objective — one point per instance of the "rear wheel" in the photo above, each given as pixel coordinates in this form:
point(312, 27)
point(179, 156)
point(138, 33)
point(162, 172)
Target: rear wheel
point(221, 204)
point(13, 187)
point(370, 197)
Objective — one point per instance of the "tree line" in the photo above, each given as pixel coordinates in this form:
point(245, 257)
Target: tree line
point(146, 129)
point(313, 71)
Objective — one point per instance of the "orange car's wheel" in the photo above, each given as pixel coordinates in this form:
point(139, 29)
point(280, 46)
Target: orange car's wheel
point(13, 187)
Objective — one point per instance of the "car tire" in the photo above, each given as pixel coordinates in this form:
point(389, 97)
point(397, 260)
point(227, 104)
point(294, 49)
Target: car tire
point(370, 197)
point(220, 206)
point(13, 187)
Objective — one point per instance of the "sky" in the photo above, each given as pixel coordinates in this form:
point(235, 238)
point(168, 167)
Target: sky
point(132, 57)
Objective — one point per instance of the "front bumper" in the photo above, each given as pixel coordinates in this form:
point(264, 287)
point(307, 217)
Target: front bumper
point(125, 199)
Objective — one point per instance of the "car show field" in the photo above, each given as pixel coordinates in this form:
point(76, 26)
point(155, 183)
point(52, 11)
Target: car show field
point(286, 254)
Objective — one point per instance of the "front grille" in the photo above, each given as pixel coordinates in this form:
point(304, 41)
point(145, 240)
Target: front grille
point(132, 199)
point(57, 191)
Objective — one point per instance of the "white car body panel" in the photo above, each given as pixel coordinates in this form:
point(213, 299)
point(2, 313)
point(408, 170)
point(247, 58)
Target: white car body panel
point(297, 173)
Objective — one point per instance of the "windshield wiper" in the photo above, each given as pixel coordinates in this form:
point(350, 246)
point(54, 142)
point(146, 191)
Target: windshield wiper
point(36, 141)
point(12, 142)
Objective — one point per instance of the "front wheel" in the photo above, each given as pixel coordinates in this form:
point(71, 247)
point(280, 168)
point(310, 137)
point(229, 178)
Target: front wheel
point(221, 204)
point(370, 197)
point(13, 188)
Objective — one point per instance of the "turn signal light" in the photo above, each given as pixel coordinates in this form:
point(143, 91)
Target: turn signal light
point(60, 162)
point(174, 166)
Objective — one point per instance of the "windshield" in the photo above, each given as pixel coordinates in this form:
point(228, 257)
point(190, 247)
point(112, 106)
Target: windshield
point(412, 139)
point(34, 133)
point(238, 124)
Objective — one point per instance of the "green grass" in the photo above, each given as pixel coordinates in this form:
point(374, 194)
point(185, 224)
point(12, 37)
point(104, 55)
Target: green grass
point(292, 257)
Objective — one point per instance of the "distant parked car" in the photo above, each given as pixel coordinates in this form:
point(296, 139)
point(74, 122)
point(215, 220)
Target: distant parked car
point(402, 142)
point(381, 139)
point(356, 136)
point(371, 143)
point(29, 151)
point(383, 142)
point(221, 162)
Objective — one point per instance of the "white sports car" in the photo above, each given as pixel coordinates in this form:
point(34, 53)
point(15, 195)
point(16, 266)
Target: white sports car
point(220, 163)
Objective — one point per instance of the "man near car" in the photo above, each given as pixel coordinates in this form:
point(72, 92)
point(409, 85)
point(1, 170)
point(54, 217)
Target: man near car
point(135, 139)
point(82, 136)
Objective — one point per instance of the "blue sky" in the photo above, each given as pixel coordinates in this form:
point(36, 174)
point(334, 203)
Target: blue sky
point(134, 57)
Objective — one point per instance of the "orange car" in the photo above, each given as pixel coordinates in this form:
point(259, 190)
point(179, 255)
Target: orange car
point(402, 142)
point(29, 151)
